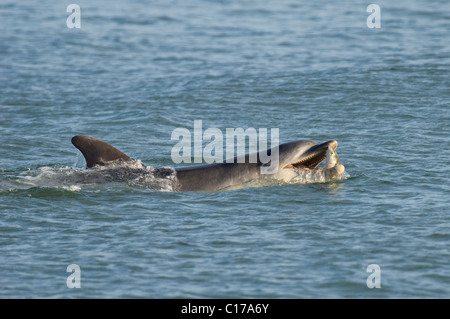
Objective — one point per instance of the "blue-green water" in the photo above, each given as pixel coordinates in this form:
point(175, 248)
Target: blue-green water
point(137, 70)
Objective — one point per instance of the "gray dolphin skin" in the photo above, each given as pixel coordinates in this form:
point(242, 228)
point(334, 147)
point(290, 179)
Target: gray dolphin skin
point(97, 152)
point(297, 161)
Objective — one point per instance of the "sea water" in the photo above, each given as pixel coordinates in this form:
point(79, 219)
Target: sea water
point(135, 71)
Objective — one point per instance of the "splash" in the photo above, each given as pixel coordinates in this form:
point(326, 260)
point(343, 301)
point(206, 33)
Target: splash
point(75, 179)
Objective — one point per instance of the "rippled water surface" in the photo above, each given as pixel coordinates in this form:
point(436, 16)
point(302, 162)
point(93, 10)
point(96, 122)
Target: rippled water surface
point(135, 71)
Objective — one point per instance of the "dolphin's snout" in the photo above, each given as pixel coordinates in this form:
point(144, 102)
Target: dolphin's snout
point(333, 144)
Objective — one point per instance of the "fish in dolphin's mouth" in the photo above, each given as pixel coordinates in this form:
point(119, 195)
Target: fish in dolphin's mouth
point(312, 160)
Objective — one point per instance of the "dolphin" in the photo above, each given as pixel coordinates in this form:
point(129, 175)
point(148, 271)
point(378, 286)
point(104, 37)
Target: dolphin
point(298, 162)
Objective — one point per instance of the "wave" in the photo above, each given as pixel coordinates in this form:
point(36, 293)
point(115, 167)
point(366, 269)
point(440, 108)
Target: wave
point(75, 179)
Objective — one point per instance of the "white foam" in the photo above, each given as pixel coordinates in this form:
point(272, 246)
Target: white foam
point(73, 179)
point(72, 188)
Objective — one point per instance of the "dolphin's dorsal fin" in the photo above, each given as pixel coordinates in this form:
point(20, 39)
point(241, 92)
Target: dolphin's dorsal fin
point(97, 152)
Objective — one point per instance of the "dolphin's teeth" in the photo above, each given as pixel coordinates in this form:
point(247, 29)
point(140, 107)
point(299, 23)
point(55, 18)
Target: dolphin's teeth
point(315, 159)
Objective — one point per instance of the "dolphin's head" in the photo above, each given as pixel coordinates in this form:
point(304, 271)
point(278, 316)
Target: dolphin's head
point(305, 156)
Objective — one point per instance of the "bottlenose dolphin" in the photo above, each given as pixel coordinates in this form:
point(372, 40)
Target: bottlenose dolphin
point(298, 162)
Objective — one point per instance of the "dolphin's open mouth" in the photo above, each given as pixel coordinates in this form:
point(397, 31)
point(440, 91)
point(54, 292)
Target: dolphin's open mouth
point(310, 162)
point(313, 157)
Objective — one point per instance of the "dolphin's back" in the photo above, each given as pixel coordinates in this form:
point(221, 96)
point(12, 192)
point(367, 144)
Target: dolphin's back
point(213, 177)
